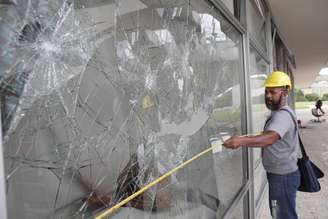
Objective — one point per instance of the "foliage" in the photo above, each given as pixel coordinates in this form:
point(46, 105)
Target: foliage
point(312, 97)
point(324, 97)
point(299, 95)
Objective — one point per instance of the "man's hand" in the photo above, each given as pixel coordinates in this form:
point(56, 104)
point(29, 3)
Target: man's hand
point(267, 138)
point(233, 142)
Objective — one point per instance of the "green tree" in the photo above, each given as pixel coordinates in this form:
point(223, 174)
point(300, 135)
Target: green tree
point(299, 95)
point(325, 97)
point(312, 97)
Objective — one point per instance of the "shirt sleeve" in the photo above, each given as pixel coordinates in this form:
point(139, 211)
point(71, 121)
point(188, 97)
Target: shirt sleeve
point(280, 122)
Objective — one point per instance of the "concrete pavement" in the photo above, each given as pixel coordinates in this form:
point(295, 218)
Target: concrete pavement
point(315, 140)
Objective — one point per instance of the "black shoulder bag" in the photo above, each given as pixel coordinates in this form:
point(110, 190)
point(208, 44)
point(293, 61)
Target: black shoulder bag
point(310, 173)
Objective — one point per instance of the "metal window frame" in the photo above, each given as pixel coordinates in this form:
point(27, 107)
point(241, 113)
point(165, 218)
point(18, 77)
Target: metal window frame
point(259, 49)
point(261, 200)
point(267, 56)
point(260, 7)
point(237, 199)
point(250, 199)
point(257, 163)
point(244, 190)
point(3, 200)
point(248, 167)
point(222, 8)
point(247, 188)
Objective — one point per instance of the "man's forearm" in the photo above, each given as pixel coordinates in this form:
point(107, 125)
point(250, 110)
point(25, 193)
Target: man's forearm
point(261, 140)
point(265, 139)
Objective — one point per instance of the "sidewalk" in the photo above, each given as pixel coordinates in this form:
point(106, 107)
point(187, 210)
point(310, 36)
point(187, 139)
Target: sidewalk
point(315, 140)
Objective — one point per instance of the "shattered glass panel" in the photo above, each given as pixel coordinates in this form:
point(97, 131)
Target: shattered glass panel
point(259, 69)
point(99, 98)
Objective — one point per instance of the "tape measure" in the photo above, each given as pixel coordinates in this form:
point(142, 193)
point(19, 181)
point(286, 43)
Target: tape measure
point(215, 145)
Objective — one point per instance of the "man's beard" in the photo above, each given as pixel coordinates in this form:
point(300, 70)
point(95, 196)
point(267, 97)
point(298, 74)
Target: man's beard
point(273, 106)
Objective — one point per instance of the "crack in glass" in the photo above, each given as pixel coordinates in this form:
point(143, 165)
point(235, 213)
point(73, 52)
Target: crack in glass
point(99, 98)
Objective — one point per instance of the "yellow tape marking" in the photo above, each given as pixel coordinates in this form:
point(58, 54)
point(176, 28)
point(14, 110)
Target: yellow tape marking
point(109, 211)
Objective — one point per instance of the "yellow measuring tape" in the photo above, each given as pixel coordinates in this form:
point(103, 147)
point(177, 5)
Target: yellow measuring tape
point(109, 211)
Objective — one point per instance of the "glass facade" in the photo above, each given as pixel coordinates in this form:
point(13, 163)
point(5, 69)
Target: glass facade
point(259, 69)
point(256, 18)
point(283, 60)
point(146, 92)
point(99, 98)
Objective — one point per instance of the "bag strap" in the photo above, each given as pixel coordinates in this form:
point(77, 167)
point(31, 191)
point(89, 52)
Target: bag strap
point(266, 121)
point(304, 154)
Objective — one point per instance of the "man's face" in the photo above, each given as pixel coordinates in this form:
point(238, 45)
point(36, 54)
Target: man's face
point(273, 97)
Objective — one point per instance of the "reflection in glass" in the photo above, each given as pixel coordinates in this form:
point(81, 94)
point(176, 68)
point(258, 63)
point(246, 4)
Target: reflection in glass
point(239, 212)
point(258, 72)
point(256, 21)
point(136, 88)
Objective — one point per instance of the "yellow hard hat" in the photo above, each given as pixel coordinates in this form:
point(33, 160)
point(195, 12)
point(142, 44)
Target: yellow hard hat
point(278, 79)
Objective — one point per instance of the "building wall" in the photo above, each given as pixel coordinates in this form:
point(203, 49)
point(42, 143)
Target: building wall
point(110, 95)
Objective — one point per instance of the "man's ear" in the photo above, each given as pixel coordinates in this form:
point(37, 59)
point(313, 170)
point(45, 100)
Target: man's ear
point(285, 93)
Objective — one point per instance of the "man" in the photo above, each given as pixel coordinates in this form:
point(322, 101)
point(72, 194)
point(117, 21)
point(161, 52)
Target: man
point(280, 145)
